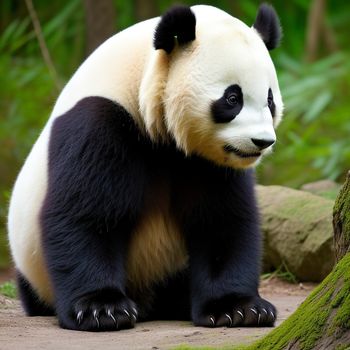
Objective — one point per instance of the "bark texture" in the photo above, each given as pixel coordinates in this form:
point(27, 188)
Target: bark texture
point(100, 22)
point(145, 9)
point(319, 35)
point(341, 221)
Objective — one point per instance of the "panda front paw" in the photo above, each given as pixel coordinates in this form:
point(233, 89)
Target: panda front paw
point(243, 312)
point(106, 310)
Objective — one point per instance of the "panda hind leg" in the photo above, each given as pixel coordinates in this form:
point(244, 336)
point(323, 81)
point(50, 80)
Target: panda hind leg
point(31, 302)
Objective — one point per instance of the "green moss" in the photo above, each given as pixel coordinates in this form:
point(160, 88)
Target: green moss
point(8, 289)
point(309, 323)
point(342, 316)
point(342, 347)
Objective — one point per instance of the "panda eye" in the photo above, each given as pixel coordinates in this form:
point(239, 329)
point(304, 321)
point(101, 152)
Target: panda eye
point(269, 102)
point(229, 105)
point(232, 99)
point(270, 99)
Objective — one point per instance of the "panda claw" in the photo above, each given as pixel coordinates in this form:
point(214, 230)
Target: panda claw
point(230, 319)
point(212, 321)
point(79, 317)
point(259, 317)
point(264, 310)
point(95, 314)
point(240, 313)
point(135, 311)
point(126, 313)
point(253, 310)
point(109, 313)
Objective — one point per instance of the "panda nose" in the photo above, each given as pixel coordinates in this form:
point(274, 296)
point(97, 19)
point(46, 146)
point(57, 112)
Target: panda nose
point(262, 144)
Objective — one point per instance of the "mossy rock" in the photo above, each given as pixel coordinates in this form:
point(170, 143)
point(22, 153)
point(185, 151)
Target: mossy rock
point(298, 233)
point(323, 188)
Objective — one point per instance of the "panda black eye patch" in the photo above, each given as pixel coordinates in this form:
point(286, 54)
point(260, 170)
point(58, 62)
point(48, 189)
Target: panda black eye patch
point(271, 103)
point(227, 107)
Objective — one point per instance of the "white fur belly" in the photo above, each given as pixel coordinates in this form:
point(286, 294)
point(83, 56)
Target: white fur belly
point(23, 220)
point(157, 249)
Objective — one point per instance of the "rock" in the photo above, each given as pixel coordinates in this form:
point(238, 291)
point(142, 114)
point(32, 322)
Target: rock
point(298, 232)
point(324, 188)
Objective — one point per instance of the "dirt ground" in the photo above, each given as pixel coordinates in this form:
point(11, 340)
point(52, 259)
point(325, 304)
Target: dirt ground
point(20, 332)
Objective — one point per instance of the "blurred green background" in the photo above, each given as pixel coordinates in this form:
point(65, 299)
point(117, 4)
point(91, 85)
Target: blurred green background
point(313, 64)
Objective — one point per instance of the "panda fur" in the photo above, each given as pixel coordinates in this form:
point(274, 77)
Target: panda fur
point(137, 200)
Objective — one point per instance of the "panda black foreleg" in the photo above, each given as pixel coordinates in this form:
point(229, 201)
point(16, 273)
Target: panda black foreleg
point(97, 177)
point(88, 275)
point(224, 250)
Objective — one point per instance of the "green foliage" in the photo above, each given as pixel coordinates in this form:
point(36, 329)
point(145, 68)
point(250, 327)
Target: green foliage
point(314, 132)
point(4, 251)
point(8, 289)
point(283, 273)
point(27, 90)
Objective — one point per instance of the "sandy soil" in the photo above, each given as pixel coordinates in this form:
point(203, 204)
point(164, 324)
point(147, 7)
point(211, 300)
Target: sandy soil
point(20, 332)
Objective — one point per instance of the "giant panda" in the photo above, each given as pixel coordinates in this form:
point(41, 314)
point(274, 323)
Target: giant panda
point(137, 200)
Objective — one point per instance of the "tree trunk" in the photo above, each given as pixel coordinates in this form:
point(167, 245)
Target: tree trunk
point(145, 9)
point(315, 21)
point(341, 221)
point(323, 320)
point(100, 22)
point(319, 35)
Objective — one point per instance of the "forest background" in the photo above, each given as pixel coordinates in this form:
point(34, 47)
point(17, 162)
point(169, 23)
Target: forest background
point(313, 65)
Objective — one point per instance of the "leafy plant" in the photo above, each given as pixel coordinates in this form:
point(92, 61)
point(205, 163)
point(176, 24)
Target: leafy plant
point(27, 90)
point(8, 289)
point(313, 137)
point(282, 272)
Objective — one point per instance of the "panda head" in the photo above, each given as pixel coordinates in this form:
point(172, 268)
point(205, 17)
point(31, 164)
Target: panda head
point(211, 85)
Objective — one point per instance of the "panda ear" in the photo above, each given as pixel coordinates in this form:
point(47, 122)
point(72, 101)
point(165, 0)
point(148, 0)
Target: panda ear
point(268, 25)
point(179, 22)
